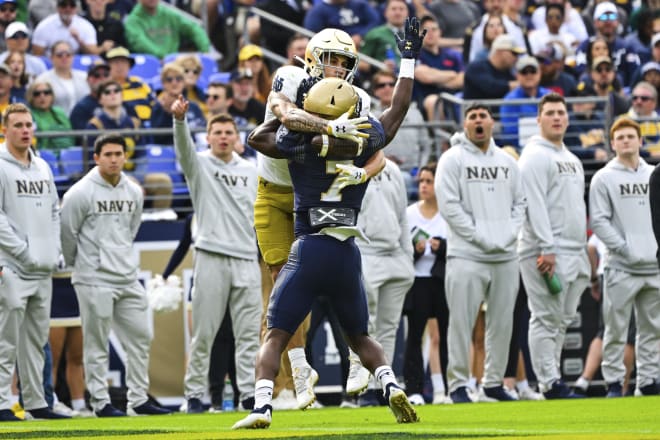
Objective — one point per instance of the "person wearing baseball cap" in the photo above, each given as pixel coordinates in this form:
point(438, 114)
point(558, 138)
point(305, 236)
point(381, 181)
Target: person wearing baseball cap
point(519, 120)
point(136, 92)
point(85, 109)
point(491, 78)
point(551, 61)
point(8, 10)
point(606, 24)
point(252, 57)
point(603, 78)
point(17, 39)
point(245, 108)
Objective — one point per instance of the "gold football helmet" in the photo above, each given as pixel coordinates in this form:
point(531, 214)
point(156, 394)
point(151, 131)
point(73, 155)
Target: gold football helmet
point(326, 43)
point(330, 98)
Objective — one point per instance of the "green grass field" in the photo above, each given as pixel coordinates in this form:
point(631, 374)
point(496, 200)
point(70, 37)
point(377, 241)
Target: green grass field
point(627, 418)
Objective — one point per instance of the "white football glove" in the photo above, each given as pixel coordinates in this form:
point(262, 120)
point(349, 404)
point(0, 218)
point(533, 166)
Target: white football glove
point(346, 128)
point(350, 175)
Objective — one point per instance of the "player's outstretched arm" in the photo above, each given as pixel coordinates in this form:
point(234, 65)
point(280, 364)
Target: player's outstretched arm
point(262, 139)
point(409, 47)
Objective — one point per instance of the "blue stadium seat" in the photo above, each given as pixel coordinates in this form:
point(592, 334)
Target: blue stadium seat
point(146, 66)
point(82, 62)
point(51, 160)
point(71, 161)
point(162, 159)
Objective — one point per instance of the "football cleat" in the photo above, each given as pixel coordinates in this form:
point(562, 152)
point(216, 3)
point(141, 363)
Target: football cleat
point(304, 379)
point(358, 376)
point(460, 395)
point(257, 419)
point(399, 405)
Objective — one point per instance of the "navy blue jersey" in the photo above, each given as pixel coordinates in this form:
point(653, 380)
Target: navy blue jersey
point(314, 178)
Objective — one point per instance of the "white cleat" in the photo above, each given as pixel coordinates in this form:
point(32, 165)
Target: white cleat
point(257, 419)
point(441, 398)
point(416, 399)
point(62, 409)
point(304, 379)
point(400, 406)
point(530, 394)
point(358, 377)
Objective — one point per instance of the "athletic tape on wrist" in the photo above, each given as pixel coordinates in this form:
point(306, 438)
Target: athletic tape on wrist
point(407, 68)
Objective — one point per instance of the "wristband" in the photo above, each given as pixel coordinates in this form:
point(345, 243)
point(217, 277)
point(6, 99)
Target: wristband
point(407, 68)
point(326, 143)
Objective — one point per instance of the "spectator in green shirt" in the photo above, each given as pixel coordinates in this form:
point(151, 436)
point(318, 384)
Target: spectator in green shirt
point(47, 117)
point(155, 29)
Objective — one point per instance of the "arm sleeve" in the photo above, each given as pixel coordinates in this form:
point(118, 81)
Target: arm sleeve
point(10, 241)
point(189, 30)
point(73, 215)
point(181, 249)
point(533, 169)
point(519, 208)
point(185, 148)
point(137, 214)
point(601, 212)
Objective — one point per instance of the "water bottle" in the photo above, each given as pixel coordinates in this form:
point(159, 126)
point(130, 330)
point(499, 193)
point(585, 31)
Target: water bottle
point(228, 397)
point(391, 56)
point(553, 283)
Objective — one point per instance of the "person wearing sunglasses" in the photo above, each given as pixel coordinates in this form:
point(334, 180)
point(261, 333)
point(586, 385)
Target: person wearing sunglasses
point(65, 25)
point(606, 24)
point(113, 116)
point(192, 70)
point(603, 77)
point(172, 77)
point(644, 101)
point(8, 10)
point(17, 38)
point(84, 109)
point(48, 117)
point(69, 84)
point(572, 22)
point(519, 120)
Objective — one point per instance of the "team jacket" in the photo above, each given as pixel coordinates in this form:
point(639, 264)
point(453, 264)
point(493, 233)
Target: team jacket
point(621, 216)
point(223, 196)
point(29, 217)
point(556, 214)
point(99, 224)
point(481, 198)
point(287, 80)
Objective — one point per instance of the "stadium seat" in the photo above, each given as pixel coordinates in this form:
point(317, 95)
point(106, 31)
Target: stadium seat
point(71, 161)
point(47, 61)
point(82, 62)
point(146, 66)
point(162, 159)
point(51, 160)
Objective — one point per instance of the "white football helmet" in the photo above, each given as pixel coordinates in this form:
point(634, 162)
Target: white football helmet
point(330, 98)
point(326, 43)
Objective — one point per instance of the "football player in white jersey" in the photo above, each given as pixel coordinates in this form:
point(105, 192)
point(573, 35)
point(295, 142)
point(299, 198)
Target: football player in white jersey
point(329, 53)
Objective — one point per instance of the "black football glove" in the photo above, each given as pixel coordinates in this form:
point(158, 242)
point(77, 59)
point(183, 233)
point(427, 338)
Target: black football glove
point(412, 40)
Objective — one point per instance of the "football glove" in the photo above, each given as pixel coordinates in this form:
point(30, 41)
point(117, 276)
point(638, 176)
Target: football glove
point(411, 43)
point(350, 175)
point(345, 127)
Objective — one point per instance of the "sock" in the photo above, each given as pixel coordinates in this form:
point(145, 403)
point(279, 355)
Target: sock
point(78, 404)
point(385, 376)
point(438, 383)
point(582, 383)
point(55, 399)
point(263, 393)
point(297, 358)
point(14, 399)
point(472, 383)
point(522, 385)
